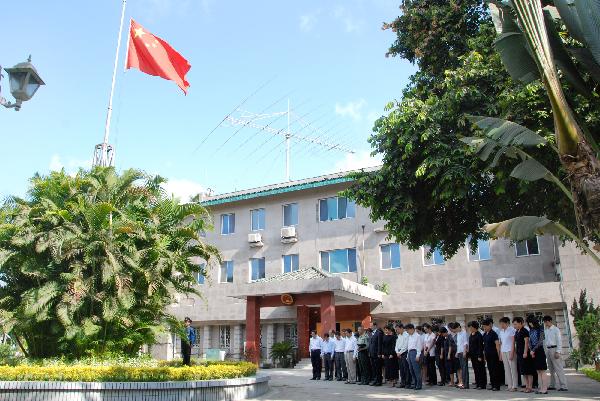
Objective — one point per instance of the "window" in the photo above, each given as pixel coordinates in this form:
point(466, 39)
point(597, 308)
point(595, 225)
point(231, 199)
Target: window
point(527, 247)
point(200, 276)
point(224, 337)
point(290, 215)
point(482, 252)
point(290, 263)
point(339, 261)
point(436, 257)
point(257, 269)
point(482, 317)
point(226, 272)
point(228, 223)
point(290, 333)
point(336, 208)
point(390, 256)
point(257, 219)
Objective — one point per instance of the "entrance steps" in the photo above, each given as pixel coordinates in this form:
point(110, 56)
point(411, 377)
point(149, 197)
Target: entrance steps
point(304, 364)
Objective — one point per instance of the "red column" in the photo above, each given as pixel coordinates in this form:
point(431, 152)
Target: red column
point(327, 312)
point(303, 334)
point(253, 329)
point(366, 322)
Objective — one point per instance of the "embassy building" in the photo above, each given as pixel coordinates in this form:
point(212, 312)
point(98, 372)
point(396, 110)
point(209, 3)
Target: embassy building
point(297, 256)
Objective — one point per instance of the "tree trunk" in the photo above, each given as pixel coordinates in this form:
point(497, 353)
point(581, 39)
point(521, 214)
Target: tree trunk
point(584, 176)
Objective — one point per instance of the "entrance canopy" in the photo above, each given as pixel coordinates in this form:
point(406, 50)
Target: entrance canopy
point(310, 281)
point(336, 297)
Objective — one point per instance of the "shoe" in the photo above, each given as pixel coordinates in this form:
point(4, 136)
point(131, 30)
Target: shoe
point(551, 388)
point(400, 385)
point(377, 384)
point(418, 388)
point(331, 379)
point(313, 378)
point(563, 389)
point(318, 378)
point(410, 388)
point(495, 389)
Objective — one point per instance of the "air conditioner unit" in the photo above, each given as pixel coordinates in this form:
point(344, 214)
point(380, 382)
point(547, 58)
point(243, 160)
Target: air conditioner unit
point(505, 281)
point(288, 235)
point(255, 239)
point(288, 232)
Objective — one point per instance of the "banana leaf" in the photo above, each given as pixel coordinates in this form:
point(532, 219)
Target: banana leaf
point(589, 15)
point(570, 17)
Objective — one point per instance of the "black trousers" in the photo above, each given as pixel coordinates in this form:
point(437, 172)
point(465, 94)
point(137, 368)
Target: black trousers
point(479, 370)
point(404, 369)
point(328, 361)
point(365, 367)
point(186, 353)
point(493, 365)
point(431, 372)
point(315, 360)
point(376, 369)
point(441, 364)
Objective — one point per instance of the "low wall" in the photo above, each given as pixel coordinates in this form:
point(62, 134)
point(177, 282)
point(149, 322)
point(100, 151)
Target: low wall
point(208, 390)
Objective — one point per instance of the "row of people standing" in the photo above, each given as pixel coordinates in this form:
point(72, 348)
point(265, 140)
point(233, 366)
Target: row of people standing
point(408, 356)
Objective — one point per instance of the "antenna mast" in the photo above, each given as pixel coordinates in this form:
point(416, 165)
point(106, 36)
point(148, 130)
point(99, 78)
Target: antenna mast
point(248, 119)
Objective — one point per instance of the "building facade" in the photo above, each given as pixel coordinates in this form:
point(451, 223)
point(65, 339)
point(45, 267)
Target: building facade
point(266, 234)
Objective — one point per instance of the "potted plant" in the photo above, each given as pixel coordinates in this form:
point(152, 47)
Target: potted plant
point(282, 353)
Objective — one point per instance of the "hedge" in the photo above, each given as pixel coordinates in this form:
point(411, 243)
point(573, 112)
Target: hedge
point(592, 373)
point(81, 373)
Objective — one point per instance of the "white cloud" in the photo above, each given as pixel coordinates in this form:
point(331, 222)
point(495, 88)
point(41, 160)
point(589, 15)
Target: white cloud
point(55, 163)
point(307, 22)
point(351, 109)
point(355, 161)
point(351, 24)
point(71, 165)
point(183, 189)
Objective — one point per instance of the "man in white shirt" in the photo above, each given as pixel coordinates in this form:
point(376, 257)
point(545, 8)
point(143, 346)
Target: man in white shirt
point(315, 346)
point(507, 350)
point(553, 349)
point(350, 355)
point(402, 353)
point(341, 372)
point(462, 347)
point(415, 346)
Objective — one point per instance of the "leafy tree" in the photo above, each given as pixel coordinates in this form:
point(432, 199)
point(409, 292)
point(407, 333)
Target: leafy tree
point(88, 263)
point(586, 318)
point(431, 189)
point(531, 47)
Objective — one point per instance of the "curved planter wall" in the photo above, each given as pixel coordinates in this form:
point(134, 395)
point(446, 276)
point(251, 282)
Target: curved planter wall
point(209, 390)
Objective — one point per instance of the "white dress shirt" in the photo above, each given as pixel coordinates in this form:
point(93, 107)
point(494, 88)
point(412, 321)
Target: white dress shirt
point(315, 343)
point(552, 338)
point(462, 341)
point(507, 339)
point(496, 329)
point(351, 346)
point(429, 343)
point(402, 343)
point(340, 345)
point(415, 341)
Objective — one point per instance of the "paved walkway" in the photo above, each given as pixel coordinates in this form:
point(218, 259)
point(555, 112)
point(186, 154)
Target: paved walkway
point(294, 384)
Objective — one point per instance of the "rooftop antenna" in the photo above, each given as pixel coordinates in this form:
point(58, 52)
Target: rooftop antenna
point(249, 119)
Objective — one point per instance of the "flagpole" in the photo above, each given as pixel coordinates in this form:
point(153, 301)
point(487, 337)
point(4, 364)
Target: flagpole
point(106, 151)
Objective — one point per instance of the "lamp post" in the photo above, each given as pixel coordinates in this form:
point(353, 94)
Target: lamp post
point(24, 81)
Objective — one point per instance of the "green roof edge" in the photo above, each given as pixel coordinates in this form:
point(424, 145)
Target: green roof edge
point(275, 191)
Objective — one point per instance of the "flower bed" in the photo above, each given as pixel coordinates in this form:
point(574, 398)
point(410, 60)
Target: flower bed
point(85, 373)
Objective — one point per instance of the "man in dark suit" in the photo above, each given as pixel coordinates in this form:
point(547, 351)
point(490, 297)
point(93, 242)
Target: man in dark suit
point(375, 354)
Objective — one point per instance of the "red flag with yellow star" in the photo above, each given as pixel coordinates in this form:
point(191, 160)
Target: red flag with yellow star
point(154, 56)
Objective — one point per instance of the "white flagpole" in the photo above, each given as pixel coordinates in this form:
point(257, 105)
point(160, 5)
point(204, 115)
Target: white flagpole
point(104, 159)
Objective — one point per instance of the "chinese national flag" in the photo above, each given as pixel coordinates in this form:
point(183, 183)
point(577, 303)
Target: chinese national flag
point(154, 56)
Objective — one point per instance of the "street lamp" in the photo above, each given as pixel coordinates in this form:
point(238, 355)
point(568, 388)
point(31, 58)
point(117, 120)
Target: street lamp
point(24, 82)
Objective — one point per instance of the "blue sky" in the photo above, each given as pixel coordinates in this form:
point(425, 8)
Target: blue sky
point(327, 57)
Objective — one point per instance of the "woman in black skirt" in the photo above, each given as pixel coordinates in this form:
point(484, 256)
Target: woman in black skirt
point(524, 360)
point(389, 355)
point(536, 341)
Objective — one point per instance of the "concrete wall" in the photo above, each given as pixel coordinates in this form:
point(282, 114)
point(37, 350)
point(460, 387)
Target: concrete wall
point(208, 390)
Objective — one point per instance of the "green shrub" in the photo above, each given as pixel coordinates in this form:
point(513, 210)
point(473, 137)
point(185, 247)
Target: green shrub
point(8, 355)
point(86, 373)
point(591, 373)
point(282, 352)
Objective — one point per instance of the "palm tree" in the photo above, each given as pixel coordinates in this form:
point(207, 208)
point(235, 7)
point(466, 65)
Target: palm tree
point(90, 262)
